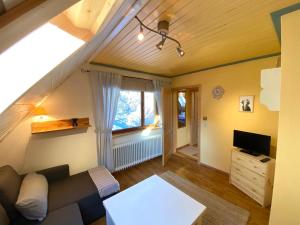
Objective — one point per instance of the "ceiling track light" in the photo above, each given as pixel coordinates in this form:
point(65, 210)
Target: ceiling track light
point(180, 51)
point(163, 28)
point(141, 34)
point(161, 43)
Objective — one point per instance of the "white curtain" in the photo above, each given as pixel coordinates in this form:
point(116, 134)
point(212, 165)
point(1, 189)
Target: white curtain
point(106, 91)
point(158, 84)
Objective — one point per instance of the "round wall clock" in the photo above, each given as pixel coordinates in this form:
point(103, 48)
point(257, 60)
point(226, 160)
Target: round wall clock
point(218, 92)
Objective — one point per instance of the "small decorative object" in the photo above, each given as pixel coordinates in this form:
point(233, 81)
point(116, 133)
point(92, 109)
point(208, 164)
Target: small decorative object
point(74, 122)
point(218, 92)
point(246, 103)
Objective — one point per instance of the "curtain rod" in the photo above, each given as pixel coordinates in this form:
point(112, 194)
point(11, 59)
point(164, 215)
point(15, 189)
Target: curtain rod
point(88, 71)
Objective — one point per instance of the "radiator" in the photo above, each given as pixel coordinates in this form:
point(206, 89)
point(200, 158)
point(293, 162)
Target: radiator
point(135, 152)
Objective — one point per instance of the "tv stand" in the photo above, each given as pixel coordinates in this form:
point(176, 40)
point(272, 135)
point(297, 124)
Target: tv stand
point(253, 177)
point(250, 152)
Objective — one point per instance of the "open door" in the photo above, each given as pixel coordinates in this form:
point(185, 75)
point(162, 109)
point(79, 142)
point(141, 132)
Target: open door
point(167, 124)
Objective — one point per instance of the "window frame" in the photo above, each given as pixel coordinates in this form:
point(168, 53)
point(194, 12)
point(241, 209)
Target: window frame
point(143, 126)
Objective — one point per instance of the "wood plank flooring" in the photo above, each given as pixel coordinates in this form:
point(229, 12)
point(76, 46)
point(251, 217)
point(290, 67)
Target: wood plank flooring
point(207, 178)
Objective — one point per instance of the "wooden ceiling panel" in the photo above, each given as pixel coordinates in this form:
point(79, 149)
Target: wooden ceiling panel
point(211, 33)
point(89, 14)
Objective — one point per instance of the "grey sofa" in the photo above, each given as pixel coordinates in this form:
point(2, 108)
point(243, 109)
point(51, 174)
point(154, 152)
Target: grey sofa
point(72, 200)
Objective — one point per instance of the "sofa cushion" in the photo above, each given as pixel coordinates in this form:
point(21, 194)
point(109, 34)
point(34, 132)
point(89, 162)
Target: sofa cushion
point(4, 220)
point(55, 173)
point(33, 197)
point(70, 190)
point(10, 183)
point(69, 215)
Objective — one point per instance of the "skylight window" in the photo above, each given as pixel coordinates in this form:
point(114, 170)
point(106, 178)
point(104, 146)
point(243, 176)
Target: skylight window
point(30, 59)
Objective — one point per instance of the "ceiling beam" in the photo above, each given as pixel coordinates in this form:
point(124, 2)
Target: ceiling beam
point(23, 19)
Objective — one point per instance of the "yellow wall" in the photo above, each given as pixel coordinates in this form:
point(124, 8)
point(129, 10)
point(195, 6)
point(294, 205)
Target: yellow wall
point(223, 115)
point(27, 152)
point(286, 193)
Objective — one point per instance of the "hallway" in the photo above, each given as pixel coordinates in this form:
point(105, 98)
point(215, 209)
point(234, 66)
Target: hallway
point(191, 152)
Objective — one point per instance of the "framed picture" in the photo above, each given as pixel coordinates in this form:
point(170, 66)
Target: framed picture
point(246, 103)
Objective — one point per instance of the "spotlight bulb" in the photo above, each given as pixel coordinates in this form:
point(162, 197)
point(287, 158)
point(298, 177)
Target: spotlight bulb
point(180, 51)
point(159, 45)
point(141, 34)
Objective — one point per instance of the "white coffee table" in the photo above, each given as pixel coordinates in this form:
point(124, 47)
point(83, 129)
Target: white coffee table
point(153, 202)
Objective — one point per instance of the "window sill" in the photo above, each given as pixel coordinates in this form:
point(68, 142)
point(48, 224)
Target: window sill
point(137, 130)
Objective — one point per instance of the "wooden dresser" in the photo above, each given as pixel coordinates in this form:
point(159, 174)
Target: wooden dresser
point(252, 176)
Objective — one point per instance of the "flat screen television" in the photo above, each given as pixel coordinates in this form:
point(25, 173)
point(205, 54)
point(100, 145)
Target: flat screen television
point(251, 143)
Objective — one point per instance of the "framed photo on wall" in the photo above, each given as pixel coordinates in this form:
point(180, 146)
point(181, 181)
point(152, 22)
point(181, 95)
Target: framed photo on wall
point(247, 103)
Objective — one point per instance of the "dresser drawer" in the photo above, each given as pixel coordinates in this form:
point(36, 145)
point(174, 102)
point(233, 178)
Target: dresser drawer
point(249, 163)
point(237, 182)
point(247, 184)
point(251, 176)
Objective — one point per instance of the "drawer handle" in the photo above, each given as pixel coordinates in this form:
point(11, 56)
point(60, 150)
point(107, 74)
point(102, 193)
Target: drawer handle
point(238, 158)
point(254, 178)
point(255, 167)
point(237, 169)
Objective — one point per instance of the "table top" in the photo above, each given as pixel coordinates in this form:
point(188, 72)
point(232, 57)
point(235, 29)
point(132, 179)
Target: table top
point(153, 202)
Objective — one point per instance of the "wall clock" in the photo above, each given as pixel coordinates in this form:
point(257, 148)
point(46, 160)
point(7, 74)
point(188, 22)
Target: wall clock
point(218, 92)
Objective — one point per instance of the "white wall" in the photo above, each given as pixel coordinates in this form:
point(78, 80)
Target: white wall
point(26, 152)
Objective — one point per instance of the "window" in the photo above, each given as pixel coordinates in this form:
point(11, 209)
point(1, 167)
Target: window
point(30, 59)
point(149, 108)
point(135, 110)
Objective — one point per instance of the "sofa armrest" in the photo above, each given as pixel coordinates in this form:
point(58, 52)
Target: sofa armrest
point(56, 173)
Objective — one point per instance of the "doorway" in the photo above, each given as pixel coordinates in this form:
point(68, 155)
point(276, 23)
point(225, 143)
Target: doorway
point(186, 115)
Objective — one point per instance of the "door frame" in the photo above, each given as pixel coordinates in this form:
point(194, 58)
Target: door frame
point(197, 88)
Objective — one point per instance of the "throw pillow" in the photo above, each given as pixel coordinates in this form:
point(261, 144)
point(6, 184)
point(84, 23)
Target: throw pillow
point(33, 197)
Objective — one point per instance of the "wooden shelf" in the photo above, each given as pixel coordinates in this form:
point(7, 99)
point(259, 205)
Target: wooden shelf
point(58, 125)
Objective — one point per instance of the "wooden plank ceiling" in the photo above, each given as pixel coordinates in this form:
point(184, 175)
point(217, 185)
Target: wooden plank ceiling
point(84, 18)
point(211, 32)
point(81, 20)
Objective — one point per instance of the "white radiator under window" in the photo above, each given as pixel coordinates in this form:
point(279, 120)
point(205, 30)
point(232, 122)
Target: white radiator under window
point(135, 152)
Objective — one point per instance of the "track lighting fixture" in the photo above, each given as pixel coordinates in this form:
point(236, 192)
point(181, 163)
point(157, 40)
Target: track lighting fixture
point(141, 34)
point(162, 30)
point(180, 51)
point(161, 43)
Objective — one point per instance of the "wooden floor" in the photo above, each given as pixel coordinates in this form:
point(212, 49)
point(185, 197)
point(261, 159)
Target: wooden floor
point(212, 180)
point(189, 151)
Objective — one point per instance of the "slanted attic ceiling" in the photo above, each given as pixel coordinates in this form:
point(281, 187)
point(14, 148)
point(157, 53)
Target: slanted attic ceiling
point(20, 105)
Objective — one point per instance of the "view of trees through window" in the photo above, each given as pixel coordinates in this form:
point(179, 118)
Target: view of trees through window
point(129, 110)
